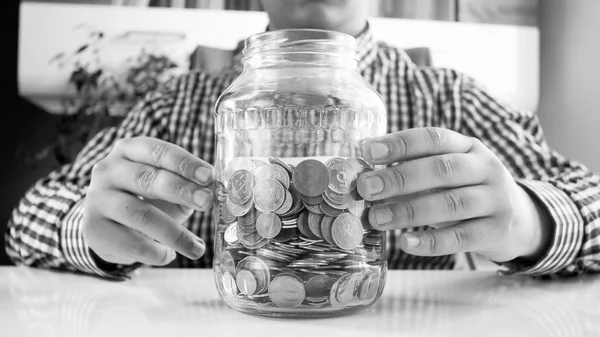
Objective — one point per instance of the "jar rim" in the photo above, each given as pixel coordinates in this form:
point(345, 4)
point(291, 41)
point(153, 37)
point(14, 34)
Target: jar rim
point(298, 37)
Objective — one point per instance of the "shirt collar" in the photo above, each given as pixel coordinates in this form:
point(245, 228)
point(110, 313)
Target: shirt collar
point(366, 48)
point(365, 42)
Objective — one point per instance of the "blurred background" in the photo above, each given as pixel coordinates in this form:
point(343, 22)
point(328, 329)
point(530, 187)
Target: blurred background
point(82, 64)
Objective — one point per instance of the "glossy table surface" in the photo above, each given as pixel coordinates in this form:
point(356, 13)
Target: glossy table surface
point(175, 302)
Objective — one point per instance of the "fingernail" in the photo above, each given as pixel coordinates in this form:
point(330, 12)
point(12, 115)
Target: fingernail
point(172, 255)
point(374, 185)
point(201, 197)
point(203, 174)
point(410, 241)
point(199, 248)
point(383, 215)
point(379, 151)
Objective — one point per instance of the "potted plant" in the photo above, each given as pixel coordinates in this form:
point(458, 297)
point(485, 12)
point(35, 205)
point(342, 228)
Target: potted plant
point(100, 96)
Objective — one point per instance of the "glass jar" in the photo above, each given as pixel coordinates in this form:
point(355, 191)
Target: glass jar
point(292, 233)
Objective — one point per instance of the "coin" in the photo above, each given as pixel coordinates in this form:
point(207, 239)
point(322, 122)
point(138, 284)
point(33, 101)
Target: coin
point(230, 235)
point(234, 165)
point(240, 187)
point(333, 293)
point(287, 204)
point(226, 262)
point(367, 291)
point(274, 255)
point(303, 225)
point(314, 223)
point(286, 167)
point(373, 240)
point(315, 209)
point(333, 198)
point(342, 175)
point(286, 234)
point(268, 225)
point(360, 165)
point(269, 195)
point(347, 231)
point(272, 171)
point(312, 200)
point(296, 199)
point(346, 292)
point(229, 284)
point(250, 217)
point(328, 210)
point(311, 177)
point(357, 207)
point(326, 225)
point(252, 241)
point(259, 269)
point(286, 291)
point(238, 210)
point(318, 285)
point(246, 282)
point(225, 213)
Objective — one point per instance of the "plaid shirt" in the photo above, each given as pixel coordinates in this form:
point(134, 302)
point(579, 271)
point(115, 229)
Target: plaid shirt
point(45, 228)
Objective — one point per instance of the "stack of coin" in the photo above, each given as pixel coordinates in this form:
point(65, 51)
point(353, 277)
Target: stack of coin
point(296, 235)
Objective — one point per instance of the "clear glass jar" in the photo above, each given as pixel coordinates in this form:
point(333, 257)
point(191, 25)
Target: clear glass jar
point(292, 235)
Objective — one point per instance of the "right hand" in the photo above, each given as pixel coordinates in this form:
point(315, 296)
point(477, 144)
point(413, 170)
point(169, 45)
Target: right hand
point(139, 196)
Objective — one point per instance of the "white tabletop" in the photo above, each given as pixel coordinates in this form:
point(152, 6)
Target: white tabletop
point(173, 302)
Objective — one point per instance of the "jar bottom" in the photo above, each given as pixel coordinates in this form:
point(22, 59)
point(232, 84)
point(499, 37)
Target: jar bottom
point(302, 312)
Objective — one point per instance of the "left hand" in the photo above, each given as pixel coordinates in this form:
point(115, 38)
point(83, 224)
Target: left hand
point(456, 185)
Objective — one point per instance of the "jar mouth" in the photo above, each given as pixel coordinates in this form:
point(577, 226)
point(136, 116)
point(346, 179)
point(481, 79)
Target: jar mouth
point(300, 40)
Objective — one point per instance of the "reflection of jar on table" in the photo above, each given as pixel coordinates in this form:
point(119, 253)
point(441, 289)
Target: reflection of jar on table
point(292, 232)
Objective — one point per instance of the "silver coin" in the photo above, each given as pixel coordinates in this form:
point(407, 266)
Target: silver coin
point(272, 171)
point(311, 177)
point(337, 200)
point(269, 195)
point(238, 210)
point(287, 204)
point(268, 225)
point(342, 175)
point(240, 187)
point(229, 284)
point(235, 165)
point(225, 213)
point(347, 231)
point(285, 166)
point(230, 235)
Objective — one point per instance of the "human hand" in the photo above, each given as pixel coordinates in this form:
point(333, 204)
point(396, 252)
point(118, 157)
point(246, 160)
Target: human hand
point(138, 199)
point(456, 185)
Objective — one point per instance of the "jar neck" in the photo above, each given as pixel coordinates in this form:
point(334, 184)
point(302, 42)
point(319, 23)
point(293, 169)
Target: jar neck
point(300, 48)
point(304, 59)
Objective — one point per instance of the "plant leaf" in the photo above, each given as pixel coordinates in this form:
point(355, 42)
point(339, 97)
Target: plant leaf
point(81, 49)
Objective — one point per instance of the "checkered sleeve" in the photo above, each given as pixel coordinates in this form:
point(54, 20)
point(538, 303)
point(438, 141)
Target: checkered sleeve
point(44, 229)
point(566, 189)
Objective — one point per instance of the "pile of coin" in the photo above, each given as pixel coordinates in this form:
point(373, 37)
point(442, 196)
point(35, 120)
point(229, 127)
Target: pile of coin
point(296, 235)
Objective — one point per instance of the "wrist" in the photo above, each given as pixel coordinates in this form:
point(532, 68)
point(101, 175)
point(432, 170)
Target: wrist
point(535, 221)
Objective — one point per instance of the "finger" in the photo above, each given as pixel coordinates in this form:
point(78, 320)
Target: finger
point(414, 143)
point(156, 152)
point(121, 245)
point(178, 213)
point(468, 236)
point(443, 171)
point(156, 224)
point(433, 208)
point(155, 183)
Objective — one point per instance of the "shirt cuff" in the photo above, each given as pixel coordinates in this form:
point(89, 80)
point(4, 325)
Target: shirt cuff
point(77, 252)
point(568, 230)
